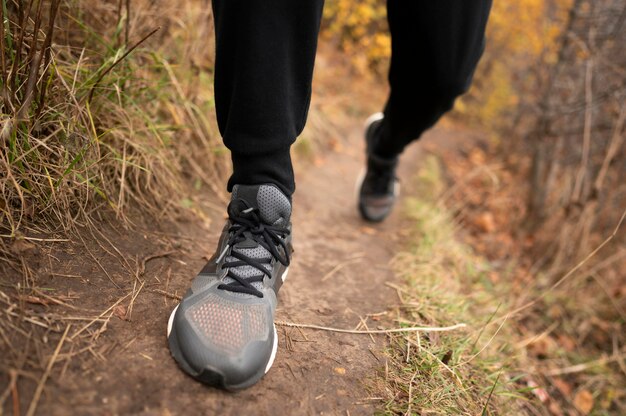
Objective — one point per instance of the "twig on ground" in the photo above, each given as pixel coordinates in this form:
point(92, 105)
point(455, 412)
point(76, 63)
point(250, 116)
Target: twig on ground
point(99, 316)
point(364, 325)
point(340, 266)
point(122, 259)
point(373, 331)
point(129, 311)
point(47, 240)
point(581, 367)
point(167, 294)
point(33, 404)
point(13, 374)
point(146, 259)
point(408, 411)
point(167, 284)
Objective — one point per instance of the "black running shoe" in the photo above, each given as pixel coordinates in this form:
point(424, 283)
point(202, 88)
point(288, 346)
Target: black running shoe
point(223, 333)
point(378, 185)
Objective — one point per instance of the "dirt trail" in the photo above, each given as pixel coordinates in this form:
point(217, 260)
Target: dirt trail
point(338, 276)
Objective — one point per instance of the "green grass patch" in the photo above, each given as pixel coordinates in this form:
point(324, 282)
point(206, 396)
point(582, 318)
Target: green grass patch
point(463, 372)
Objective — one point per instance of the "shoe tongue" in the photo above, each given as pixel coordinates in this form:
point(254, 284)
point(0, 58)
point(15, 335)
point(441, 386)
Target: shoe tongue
point(274, 207)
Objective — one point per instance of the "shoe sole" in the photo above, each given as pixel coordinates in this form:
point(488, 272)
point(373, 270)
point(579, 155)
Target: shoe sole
point(361, 206)
point(211, 376)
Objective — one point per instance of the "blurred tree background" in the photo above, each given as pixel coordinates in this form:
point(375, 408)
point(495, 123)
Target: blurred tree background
point(552, 82)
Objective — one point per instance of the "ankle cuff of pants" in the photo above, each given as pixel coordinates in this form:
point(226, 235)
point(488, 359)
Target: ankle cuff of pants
point(274, 167)
point(376, 160)
point(383, 147)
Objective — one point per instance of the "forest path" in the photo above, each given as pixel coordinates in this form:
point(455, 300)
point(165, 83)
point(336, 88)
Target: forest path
point(338, 278)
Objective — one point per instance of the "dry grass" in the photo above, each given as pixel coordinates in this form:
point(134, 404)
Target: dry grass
point(100, 117)
point(532, 347)
point(448, 373)
point(103, 120)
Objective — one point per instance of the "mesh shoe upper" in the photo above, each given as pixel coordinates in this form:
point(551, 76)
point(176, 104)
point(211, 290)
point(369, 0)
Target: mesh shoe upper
point(222, 332)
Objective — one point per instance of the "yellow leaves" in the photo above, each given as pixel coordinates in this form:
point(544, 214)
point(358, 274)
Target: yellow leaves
point(360, 27)
point(521, 35)
point(522, 26)
point(583, 401)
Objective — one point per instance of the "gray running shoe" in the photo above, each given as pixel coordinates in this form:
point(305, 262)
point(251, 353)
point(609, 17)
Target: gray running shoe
point(222, 333)
point(378, 186)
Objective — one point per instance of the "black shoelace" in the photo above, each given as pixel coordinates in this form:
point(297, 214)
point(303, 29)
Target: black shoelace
point(246, 225)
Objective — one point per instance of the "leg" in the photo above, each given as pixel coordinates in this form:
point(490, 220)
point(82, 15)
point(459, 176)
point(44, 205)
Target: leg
point(264, 65)
point(435, 47)
point(222, 332)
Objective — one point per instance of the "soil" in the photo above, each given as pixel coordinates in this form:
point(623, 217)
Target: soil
point(339, 278)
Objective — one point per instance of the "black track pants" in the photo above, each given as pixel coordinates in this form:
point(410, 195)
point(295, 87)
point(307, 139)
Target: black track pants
point(264, 66)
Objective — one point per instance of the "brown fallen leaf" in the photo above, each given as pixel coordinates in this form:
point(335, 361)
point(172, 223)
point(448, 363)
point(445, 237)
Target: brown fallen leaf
point(566, 342)
point(563, 386)
point(555, 408)
point(485, 222)
point(541, 347)
point(583, 401)
point(477, 156)
point(120, 311)
point(21, 246)
point(340, 370)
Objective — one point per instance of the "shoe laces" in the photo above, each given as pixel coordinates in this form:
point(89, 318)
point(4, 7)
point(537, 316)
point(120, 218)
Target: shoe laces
point(248, 225)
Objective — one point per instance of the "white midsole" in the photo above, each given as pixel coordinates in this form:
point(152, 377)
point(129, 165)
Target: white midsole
point(274, 349)
point(170, 321)
point(359, 182)
point(284, 276)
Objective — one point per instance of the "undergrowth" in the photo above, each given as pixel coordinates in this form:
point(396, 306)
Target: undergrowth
point(530, 347)
point(460, 372)
point(101, 109)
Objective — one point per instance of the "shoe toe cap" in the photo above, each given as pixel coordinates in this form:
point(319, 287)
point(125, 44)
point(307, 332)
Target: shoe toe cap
point(217, 352)
point(376, 208)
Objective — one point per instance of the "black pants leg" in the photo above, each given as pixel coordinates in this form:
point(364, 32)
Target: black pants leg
point(264, 66)
point(435, 47)
point(265, 51)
